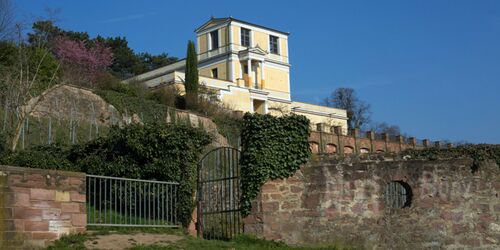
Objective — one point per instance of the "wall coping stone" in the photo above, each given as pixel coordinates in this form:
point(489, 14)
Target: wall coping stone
point(12, 169)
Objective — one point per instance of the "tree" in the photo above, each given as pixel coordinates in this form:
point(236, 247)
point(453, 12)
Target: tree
point(383, 127)
point(6, 19)
point(82, 65)
point(23, 84)
point(191, 83)
point(358, 112)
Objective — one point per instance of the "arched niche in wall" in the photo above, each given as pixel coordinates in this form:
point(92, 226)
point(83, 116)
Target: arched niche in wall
point(331, 148)
point(314, 146)
point(348, 150)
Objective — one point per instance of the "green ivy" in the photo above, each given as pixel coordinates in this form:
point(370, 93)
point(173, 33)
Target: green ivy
point(478, 153)
point(273, 147)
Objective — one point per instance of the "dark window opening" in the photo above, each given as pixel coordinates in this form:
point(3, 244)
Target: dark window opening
point(215, 73)
point(398, 194)
point(273, 44)
point(214, 39)
point(245, 37)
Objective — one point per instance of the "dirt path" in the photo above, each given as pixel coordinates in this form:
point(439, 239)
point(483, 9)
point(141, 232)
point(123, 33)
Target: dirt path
point(122, 241)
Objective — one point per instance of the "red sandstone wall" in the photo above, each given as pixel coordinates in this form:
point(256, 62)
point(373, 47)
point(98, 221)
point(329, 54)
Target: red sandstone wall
point(323, 142)
point(330, 202)
point(38, 206)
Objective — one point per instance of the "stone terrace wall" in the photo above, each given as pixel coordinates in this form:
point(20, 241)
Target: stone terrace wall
point(37, 206)
point(331, 140)
point(344, 203)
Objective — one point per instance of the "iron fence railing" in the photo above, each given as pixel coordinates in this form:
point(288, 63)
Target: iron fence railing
point(124, 202)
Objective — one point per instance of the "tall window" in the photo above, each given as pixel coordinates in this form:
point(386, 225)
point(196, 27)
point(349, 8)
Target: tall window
point(214, 39)
point(273, 44)
point(245, 37)
point(215, 73)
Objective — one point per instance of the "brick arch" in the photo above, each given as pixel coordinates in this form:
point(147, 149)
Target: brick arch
point(348, 150)
point(331, 148)
point(314, 146)
point(364, 150)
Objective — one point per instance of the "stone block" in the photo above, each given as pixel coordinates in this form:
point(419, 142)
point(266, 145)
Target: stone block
point(78, 197)
point(42, 194)
point(269, 188)
point(270, 206)
point(296, 189)
point(79, 219)
point(44, 235)
point(27, 213)
point(62, 196)
point(59, 226)
point(51, 214)
point(70, 207)
point(21, 200)
point(31, 226)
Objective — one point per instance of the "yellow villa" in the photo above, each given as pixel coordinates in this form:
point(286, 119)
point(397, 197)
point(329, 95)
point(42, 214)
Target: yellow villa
point(248, 66)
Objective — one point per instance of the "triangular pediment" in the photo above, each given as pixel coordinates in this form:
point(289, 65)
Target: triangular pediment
point(257, 50)
point(212, 22)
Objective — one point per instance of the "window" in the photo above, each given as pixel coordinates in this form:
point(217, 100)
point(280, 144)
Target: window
point(245, 37)
point(214, 39)
point(398, 194)
point(245, 68)
point(273, 44)
point(215, 73)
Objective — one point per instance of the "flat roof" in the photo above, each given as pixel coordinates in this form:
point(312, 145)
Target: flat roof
point(225, 19)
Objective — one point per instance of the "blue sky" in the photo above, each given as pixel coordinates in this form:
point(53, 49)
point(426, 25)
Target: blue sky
point(431, 67)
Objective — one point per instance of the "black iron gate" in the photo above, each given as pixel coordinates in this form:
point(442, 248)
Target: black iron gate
point(218, 212)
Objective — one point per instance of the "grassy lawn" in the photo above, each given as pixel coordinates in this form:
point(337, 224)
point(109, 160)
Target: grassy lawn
point(76, 242)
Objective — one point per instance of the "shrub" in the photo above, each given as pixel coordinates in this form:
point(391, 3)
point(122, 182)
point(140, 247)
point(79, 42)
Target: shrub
point(477, 153)
point(44, 157)
point(152, 152)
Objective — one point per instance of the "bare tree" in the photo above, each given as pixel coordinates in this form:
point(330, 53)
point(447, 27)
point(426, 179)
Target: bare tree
point(22, 85)
point(358, 112)
point(6, 19)
point(383, 127)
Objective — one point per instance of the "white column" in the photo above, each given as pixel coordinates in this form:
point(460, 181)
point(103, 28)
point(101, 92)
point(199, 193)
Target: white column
point(262, 70)
point(230, 69)
point(249, 67)
point(230, 35)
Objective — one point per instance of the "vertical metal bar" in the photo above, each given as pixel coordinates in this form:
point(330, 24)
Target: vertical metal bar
point(171, 205)
point(135, 202)
point(175, 202)
point(148, 199)
point(120, 197)
point(115, 200)
point(154, 204)
point(105, 184)
point(100, 200)
point(87, 197)
point(130, 202)
point(140, 201)
point(94, 194)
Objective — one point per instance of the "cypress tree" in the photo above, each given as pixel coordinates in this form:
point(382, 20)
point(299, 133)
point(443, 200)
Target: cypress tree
point(191, 82)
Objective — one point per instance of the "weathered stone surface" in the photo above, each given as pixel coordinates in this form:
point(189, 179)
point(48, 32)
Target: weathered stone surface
point(39, 206)
point(334, 201)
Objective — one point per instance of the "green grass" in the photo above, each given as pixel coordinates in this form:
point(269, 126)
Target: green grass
point(243, 242)
point(73, 241)
point(110, 216)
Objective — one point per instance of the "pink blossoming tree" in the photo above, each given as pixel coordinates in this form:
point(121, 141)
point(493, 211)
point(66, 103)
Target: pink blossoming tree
point(82, 64)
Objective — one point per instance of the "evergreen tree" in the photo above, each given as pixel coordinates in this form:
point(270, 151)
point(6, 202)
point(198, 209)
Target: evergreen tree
point(191, 83)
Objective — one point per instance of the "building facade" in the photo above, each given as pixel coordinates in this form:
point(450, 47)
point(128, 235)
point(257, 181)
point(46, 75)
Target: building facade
point(248, 66)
